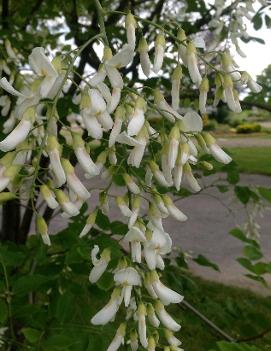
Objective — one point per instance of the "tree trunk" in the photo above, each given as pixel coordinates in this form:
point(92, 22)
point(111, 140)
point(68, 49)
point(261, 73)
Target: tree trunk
point(11, 217)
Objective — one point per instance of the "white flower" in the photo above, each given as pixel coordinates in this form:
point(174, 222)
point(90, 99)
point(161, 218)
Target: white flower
point(151, 344)
point(135, 237)
point(127, 277)
point(175, 87)
point(95, 102)
point(9, 50)
point(204, 88)
point(42, 229)
point(160, 204)
point(165, 108)
point(229, 66)
point(119, 115)
point(98, 77)
point(83, 157)
point(145, 62)
point(7, 174)
point(20, 132)
point(92, 125)
point(73, 181)
point(159, 52)
point(109, 311)
point(5, 102)
point(157, 244)
point(67, 206)
point(252, 85)
point(154, 321)
point(118, 338)
point(165, 318)
point(159, 176)
point(173, 210)
point(101, 159)
point(136, 204)
point(99, 266)
point(142, 329)
point(122, 58)
point(105, 91)
point(124, 138)
point(165, 166)
point(191, 122)
point(137, 119)
point(48, 196)
point(174, 139)
point(9, 88)
point(105, 120)
point(165, 294)
point(55, 163)
point(171, 339)
point(134, 340)
point(115, 99)
point(192, 63)
point(190, 179)
point(136, 155)
point(123, 206)
point(219, 154)
point(89, 224)
point(148, 285)
point(215, 149)
point(182, 47)
point(43, 68)
point(233, 104)
point(131, 185)
point(130, 25)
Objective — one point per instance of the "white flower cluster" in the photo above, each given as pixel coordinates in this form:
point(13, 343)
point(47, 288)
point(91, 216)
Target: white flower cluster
point(238, 12)
point(114, 116)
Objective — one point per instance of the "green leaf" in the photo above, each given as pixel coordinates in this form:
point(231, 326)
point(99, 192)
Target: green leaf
point(26, 284)
point(102, 221)
point(265, 193)
point(31, 335)
point(3, 311)
point(223, 188)
point(65, 307)
point(204, 261)
point(106, 282)
point(257, 21)
point(226, 346)
point(118, 228)
point(58, 342)
point(252, 252)
point(243, 193)
point(239, 234)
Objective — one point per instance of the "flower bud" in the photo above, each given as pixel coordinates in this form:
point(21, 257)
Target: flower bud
point(160, 45)
point(175, 88)
point(130, 25)
point(204, 88)
point(42, 229)
point(143, 50)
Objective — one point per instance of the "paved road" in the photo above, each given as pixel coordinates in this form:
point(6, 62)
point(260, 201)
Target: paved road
point(245, 141)
point(206, 230)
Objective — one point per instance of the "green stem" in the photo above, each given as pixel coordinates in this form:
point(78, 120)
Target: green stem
point(8, 301)
point(101, 12)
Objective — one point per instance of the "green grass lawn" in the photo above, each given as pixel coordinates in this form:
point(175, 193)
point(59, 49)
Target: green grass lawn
point(239, 312)
point(252, 159)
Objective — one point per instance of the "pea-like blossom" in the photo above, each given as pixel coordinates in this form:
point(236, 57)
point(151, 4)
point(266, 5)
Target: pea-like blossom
point(99, 265)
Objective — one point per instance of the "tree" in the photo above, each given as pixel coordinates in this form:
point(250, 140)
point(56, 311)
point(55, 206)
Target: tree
point(113, 117)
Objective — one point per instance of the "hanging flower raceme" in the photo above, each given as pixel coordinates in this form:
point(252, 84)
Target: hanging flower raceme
point(134, 135)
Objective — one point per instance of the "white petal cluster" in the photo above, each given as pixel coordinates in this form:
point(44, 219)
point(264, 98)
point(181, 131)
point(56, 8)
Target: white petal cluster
point(138, 137)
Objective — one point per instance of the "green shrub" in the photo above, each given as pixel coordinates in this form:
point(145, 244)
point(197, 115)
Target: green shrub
point(248, 128)
point(210, 125)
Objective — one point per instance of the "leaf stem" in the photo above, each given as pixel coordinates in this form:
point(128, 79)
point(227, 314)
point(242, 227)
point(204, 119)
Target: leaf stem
point(101, 12)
